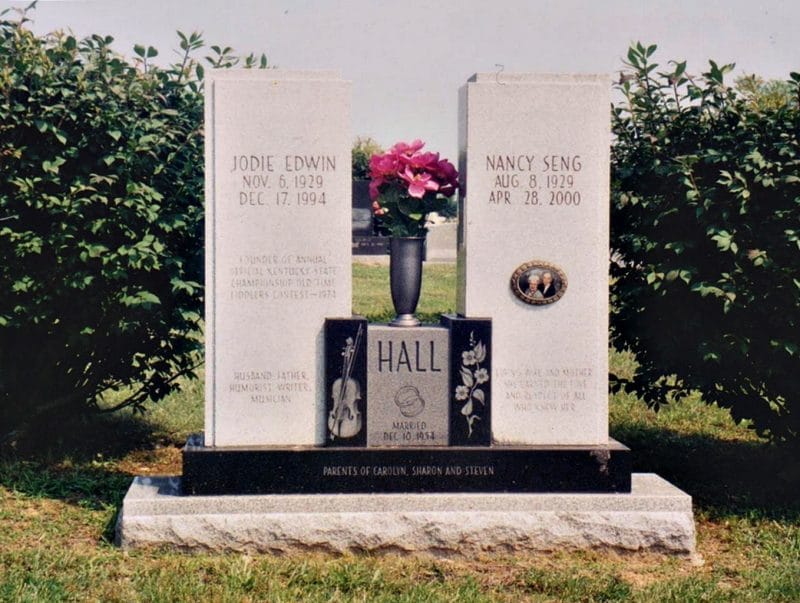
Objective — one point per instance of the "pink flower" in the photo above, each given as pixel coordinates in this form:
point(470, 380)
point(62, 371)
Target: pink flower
point(401, 148)
point(446, 174)
point(405, 171)
point(446, 171)
point(383, 165)
point(377, 209)
point(419, 184)
point(423, 161)
point(374, 186)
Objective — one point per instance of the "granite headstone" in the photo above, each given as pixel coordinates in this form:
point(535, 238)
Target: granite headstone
point(533, 249)
point(278, 250)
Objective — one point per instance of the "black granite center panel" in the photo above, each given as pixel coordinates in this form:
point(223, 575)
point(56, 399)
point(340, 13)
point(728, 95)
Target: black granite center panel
point(312, 470)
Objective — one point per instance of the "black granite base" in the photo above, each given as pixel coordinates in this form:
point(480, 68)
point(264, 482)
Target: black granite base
point(313, 470)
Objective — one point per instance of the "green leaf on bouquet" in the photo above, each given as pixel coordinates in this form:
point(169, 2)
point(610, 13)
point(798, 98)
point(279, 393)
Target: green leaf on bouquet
point(411, 207)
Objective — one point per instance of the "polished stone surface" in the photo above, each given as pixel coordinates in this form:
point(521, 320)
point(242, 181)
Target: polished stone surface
point(316, 470)
point(470, 380)
point(346, 399)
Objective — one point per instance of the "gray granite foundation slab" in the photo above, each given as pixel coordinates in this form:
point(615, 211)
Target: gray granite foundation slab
point(655, 516)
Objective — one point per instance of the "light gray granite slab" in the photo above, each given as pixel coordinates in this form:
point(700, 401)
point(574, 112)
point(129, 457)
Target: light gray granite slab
point(278, 249)
point(655, 516)
point(534, 159)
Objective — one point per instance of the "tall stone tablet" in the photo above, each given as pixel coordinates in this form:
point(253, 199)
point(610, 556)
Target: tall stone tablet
point(533, 249)
point(278, 250)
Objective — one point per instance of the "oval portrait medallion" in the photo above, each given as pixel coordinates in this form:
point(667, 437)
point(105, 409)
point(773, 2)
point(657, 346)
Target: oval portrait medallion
point(539, 283)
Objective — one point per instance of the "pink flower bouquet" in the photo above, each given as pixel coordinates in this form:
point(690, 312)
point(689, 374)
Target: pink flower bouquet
point(406, 185)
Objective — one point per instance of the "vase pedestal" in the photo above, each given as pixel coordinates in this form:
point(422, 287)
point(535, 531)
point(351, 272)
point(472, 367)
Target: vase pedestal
point(423, 387)
point(405, 320)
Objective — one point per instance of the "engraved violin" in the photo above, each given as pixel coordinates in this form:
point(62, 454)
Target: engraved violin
point(345, 420)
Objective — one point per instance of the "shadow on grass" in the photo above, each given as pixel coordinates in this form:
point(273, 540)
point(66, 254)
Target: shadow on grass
point(85, 437)
point(724, 477)
point(77, 461)
point(93, 485)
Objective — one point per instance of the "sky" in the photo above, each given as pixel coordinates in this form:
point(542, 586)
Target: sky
point(408, 58)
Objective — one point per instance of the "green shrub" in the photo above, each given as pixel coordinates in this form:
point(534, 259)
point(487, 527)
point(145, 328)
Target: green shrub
point(101, 221)
point(764, 95)
point(706, 228)
point(363, 149)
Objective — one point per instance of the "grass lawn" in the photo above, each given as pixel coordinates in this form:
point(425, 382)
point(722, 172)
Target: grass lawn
point(58, 504)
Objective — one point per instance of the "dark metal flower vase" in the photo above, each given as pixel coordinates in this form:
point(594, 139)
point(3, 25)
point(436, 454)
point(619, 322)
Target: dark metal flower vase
point(405, 275)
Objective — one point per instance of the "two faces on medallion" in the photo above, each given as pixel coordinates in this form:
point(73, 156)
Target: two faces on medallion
point(541, 286)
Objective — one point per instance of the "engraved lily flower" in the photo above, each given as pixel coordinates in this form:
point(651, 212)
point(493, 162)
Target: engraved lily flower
point(468, 358)
point(480, 352)
point(462, 392)
point(470, 391)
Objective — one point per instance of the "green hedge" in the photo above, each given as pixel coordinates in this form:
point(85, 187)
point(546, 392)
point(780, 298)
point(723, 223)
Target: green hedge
point(101, 220)
point(101, 229)
point(706, 226)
